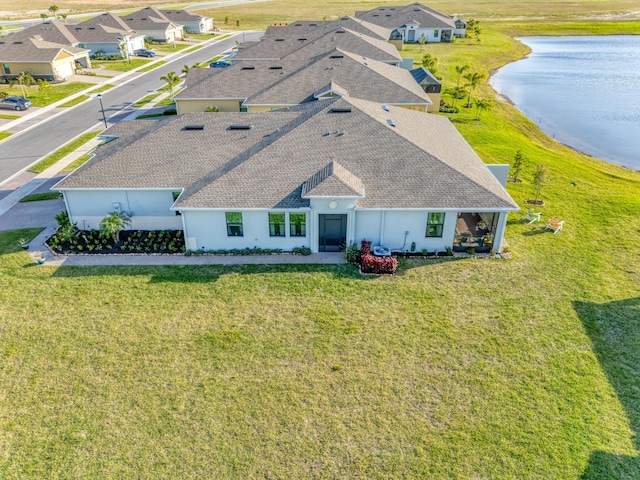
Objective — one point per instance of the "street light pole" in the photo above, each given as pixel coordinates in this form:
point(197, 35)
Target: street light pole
point(104, 119)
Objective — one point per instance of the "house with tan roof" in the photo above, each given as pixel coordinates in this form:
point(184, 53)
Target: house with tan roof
point(191, 22)
point(412, 21)
point(264, 86)
point(46, 51)
point(318, 175)
point(153, 23)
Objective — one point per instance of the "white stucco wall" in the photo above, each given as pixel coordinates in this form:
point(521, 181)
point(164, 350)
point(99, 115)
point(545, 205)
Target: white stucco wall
point(388, 228)
point(207, 230)
point(149, 208)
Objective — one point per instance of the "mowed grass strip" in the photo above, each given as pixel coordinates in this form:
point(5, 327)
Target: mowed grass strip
point(62, 152)
point(55, 93)
point(38, 197)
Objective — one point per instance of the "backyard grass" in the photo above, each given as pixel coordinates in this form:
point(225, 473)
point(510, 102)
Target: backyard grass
point(527, 368)
point(37, 197)
point(62, 152)
point(40, 99)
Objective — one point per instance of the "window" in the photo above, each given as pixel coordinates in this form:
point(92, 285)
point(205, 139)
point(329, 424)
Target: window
point(6, 68)
point(435, 33)
point(435, 222)
point(175, 197)
point(298, 224)
point(234, 224)
point(276, 225)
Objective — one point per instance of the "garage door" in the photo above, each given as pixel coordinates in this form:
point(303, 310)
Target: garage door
point(65, 69)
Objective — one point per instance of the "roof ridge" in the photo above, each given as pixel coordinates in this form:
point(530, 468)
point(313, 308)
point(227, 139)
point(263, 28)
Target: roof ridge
point(306, 113)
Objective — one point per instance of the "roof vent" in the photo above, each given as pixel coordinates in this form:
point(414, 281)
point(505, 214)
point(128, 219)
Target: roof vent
point(279, 39)
point(376, 15)
point(391, 122)
point(385, 108)
point(302, 39)
point(388, 15)
point(343, 133)
point(92, 28)
point(339, 31)
point(313, 24)
point(240, 127)
point(297, 24)
point(248, 68)
point(275, 67)
point(340, 110)
point(193, 127)
point(336, 56)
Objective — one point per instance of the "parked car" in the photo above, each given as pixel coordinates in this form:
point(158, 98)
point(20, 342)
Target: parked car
point(144, 52)
point(220, 64)
point(15, 103)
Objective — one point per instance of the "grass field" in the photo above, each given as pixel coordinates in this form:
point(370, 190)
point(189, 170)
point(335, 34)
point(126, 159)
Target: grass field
point(42, 99)
point(527, 368)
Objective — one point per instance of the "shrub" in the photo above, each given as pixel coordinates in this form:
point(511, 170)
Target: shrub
point(365, 247)
point(372, 264)
point(170, 111)
point(449, 251)
point(351, 253)
point(63, 219)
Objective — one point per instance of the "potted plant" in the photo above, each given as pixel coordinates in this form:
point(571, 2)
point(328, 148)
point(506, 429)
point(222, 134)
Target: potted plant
point(38, 258)
point(24, 243)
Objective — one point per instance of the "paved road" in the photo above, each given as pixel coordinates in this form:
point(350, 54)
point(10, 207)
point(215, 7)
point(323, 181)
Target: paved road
point(25, 148)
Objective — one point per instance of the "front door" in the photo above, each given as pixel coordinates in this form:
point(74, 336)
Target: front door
point(332, 232)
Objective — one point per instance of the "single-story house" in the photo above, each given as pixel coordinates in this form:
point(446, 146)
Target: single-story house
point(107, 33)
point(431, 86)
point(304, 48)
point(319, 175)
point(153, 23)
point(191, 22)
point(264, 86)
point(313, 29)
point(414, 21)
point(44, 60)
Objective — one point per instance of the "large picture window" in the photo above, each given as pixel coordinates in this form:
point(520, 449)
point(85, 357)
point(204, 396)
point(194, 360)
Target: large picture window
point(298, 224)
point(234, 224)
point(435, 222)
point(276, 225)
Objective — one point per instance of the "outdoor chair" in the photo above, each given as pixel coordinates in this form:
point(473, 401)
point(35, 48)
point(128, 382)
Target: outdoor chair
point(532, 216)
point(555, 225)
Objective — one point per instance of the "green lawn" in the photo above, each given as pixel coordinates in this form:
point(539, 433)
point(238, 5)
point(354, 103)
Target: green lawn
point(4, 135)
point(143, 101)
point(9, 117)
point(62, 152)
point(75, 101)
point(152, 66)
point(40, 99)
point(37, 197)
point(527, 368)
point(120, 65)
point(170, 47)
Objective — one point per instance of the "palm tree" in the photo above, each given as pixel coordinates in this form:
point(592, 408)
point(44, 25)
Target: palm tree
point(53, 9)
point(172, 80)
point(113, 223)
point(24, 79)
point(473, 79)
point(482, 104)
point(430, 63)
point(185, 69)
point(43, 16)
point(460, 69)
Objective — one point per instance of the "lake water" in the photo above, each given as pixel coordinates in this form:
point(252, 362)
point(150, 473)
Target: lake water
point(582, 91)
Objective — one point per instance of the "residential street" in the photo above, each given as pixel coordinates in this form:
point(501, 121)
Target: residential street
point(26, 147)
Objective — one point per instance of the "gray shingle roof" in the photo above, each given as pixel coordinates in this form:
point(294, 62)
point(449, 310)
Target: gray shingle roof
point(149, 18)
point(313, 29)
point(180, 16)
point(394, 17)
point(32, 50)
point(302, 47)
point(421, 162)
point(349, 74)
point(333, 180)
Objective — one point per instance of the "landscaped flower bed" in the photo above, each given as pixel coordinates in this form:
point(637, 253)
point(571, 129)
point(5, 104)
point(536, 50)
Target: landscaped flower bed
point(72, 241)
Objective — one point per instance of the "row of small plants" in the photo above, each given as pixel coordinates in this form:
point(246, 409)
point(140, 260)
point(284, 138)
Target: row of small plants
point(112, 239)
point(250, 251)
